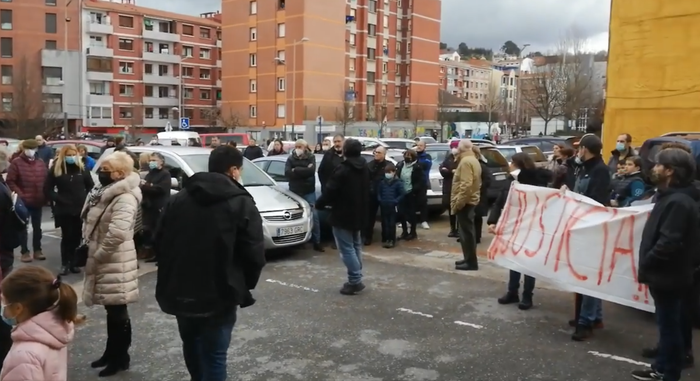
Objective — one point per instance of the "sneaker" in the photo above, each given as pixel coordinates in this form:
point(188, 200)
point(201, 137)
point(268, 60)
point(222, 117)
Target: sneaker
point(38, 255)
point(582, 333)
point(598, 324)
point(509, 298)
point(352, 289)
point(385, 244)
point(319, 248)
point(651, 353)
point(425, 225)
point(647, 375)
point(26, 257)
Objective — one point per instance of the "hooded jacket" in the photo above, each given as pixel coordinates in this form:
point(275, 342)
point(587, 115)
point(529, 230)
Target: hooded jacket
point(210, 248)
point(668, 252)
point(593, 180)
point(39, 350)
point(538, 177)
point(347, 193)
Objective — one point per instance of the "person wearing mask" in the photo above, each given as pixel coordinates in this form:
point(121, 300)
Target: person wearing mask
point(253, 152)
point(347, 193)
point(482, 209)
point(111, 272)
point(88, 162)
point(377, 174)
point(67, 185)
point(564, 173)
point(622, 151)
point(390, 191)
point(318, 148)
point(630, 186)
point(593, 181)
point(155, 188)
point(465, 196)
point(325, 146)
point(43, 312)
point(43, 151)
point(277, 149)
point(26, 177)
point(413, 179)
point(300, 169)
point(110, 143)
point(331, 159)
point(447, 170)
point(523, 170)
point(216, 217)
point(425, 161)
point(215, 142)
point(668, 257)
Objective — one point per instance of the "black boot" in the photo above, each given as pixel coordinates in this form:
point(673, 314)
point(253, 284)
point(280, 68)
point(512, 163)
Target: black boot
point(119, 359)
point(109, 348)
point(509, 298)
point(412, 233)
point(525, 302)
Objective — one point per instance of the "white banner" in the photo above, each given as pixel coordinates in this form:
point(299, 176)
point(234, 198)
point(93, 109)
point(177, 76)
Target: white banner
point(574, 243)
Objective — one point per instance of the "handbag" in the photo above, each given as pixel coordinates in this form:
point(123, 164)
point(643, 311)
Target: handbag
point(81, 253)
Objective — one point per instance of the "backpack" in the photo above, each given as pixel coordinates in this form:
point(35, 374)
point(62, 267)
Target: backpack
point(14, 219)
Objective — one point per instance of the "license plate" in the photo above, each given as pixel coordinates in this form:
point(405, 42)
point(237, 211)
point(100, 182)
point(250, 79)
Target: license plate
point(282, 232)
point(500, 177)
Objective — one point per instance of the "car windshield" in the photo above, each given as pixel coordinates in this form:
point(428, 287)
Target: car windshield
point(495, 159)
point(251, 175)
point(438, 156)
point(400, 144)
point(508, 152)
point(428, 139)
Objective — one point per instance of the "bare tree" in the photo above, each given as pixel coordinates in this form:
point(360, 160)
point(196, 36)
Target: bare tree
point(135, 126)
point(575, 71)
point(230, 119)
point(212, 116)
point(493, 103)
point(417, 116)
point(541, 91)
point(378, 115)
point(444, 116)
point(345, 115)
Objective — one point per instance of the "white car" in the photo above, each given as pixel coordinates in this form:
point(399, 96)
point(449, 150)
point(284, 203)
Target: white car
point(534, 152)
point(399, 143)
point(367, 143)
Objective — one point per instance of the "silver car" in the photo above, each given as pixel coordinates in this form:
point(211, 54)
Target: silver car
point(287, 218)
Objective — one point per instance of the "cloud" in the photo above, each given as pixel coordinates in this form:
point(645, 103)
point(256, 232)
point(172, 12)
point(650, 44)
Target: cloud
point(540, 23)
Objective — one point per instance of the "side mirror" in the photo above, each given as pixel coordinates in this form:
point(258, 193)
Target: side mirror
point(174, 184)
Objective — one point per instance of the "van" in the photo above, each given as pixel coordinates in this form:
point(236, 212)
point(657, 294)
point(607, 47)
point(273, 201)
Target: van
point(240, 138)
point(185, 138)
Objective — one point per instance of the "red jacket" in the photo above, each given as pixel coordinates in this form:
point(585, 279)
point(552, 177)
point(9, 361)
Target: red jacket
point(26, 177)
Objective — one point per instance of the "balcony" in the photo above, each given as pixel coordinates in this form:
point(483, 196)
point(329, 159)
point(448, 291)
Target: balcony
point(104, 99)
point(218, 63)
point(100, 76)
point(100, 122)
point(218, 83)
point(99, 51)
point(219, 44)
point(160, 102)
point(105, 27)
point(54, 88)
point(161, 79)
point(160, 36)
point(162, 57)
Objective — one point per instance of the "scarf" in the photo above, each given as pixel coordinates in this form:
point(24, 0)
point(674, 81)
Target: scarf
point(95, 196)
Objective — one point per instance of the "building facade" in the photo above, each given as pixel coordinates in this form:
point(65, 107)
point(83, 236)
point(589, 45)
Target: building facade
point(474, 80)
point(359, 62)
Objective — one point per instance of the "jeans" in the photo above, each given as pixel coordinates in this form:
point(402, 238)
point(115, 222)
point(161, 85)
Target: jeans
point(591, 310)
point(35, 216)
point(71, 235)
point(514, 283)
point(372, 206)
point(388, 223)
point(205, 345)
point(316, 229)
point(350, 247)
point(467, 235)
point(407, 213)
point(669, 360)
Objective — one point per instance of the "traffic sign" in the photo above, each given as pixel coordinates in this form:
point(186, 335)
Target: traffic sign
point(184, 123)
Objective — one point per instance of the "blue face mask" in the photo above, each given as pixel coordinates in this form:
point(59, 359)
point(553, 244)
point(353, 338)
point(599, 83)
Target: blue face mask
point(620, 147)
point(9, 321)
point(70, 159)
point(152, 164)
point(389, 175)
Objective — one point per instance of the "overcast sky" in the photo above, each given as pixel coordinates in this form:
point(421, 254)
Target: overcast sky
point(482, 23)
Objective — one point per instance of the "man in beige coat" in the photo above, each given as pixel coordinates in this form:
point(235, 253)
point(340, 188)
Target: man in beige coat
point(466, 186)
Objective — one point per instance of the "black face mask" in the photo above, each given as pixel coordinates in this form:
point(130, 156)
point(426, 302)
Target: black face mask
point(105, 178)
point(408, 160)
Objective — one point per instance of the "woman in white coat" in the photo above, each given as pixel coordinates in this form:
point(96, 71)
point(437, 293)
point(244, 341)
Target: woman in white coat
point(111, 272)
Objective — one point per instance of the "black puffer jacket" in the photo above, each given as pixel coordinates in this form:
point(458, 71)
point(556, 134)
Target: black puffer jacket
point(539, 177)
point(486, 178)
point(347, 193)
point(69, 190)
point(446, 167)
point(376, 174)
point(156, 189)
point(301, 172)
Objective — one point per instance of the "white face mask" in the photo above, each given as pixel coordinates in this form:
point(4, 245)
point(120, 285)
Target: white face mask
point(299, 151)
point(30, 152)
point(454, 151)
point(515, 173)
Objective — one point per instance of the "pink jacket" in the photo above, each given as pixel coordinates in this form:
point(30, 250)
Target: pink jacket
point(39, 350)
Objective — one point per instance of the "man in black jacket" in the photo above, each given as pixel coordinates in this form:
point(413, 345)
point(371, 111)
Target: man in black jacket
point(252, 152)
point(593, 181)
point(376, 174)
point(214, 224)
point(301, 172)
point(331, 159)
point(347, 193)
point(668, 258)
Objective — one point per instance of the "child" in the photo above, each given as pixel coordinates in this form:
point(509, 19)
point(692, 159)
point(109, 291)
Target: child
point(629, 186)
point(389, 193)
point(42, 311)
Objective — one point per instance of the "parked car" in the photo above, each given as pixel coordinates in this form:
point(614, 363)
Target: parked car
point(427, 139)
point(240, 138)
point(534, 152)
point(286, 217)
point(477, 142)
point(651, 147)
point(93, 147)
point(367, 143)
point(499, 167)
point(287, 146)
point(544, 143)
point(399, 143)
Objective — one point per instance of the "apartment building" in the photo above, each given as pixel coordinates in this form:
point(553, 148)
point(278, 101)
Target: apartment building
point(474, 80)
point(509, 94)
point(361, 61)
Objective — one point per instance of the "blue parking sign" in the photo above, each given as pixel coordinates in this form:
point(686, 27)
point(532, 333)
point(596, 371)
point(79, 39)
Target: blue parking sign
point(184, 123)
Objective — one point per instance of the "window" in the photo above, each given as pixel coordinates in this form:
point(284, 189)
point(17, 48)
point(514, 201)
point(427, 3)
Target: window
point(372, 6)
point(163, 48)
point(187, 71)
point(253, 7)
point(385, 21)
point(163, 92)
point(188, 113)
point(385, 67)
point(187, 30)
point(370, 77)
point(281, 112)
point(205, 33)
point(353, 13)
point(103, 65)
point(50, 45)
point(371, 30)
point(6, 47)
point(52, 76)
point(187, 93)
point(53, 103)
point(277, 170)
point(253, 34)
point(148, 69)
point(253, 86)
point(187, 51)
point(126, 21)
point(163, 70)
point(204, 53)
point(50, 23)
point(371, 53)
point(205, 94)
point(397, 94)
point(6, 74)
point(204, 73)
point(6, 19)
point(128, 44)
point(126, 67)
point(280, 4)
point(281, 30)
point(351, 64)
point(50, 2)
point(408, 47)
point(352, 39)
point(148, 113)
point(252, 111)
point(252, 59)
point(126, 90)
point(6, 102)
point(281, 56)
point(100, 113)
point(280, 84)
point(148, 91)
point(163, 113)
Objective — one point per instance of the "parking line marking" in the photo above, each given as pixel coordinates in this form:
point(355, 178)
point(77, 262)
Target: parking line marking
point(51, 236)
point(291, 285)
point(412, 312)
point(464, 323)
point(618, 358)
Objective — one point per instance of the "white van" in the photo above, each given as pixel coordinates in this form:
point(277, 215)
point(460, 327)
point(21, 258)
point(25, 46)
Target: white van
point(185, 138)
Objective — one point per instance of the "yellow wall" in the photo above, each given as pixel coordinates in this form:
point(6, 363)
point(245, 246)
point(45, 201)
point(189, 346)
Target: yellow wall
point(653, 69)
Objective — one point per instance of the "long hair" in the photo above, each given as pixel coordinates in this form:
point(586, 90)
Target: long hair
point(38, 290)
point(59, 165)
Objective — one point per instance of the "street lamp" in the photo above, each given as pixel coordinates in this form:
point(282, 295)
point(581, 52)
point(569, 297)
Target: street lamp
point(181, 78)
point(294, 76)
point(66, 20)
point(518, 91)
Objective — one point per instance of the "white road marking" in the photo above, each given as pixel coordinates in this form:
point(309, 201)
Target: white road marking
point(291, 285)
point(464, 323)
point(618, 358)
point(412, 312)
point(51, 236)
